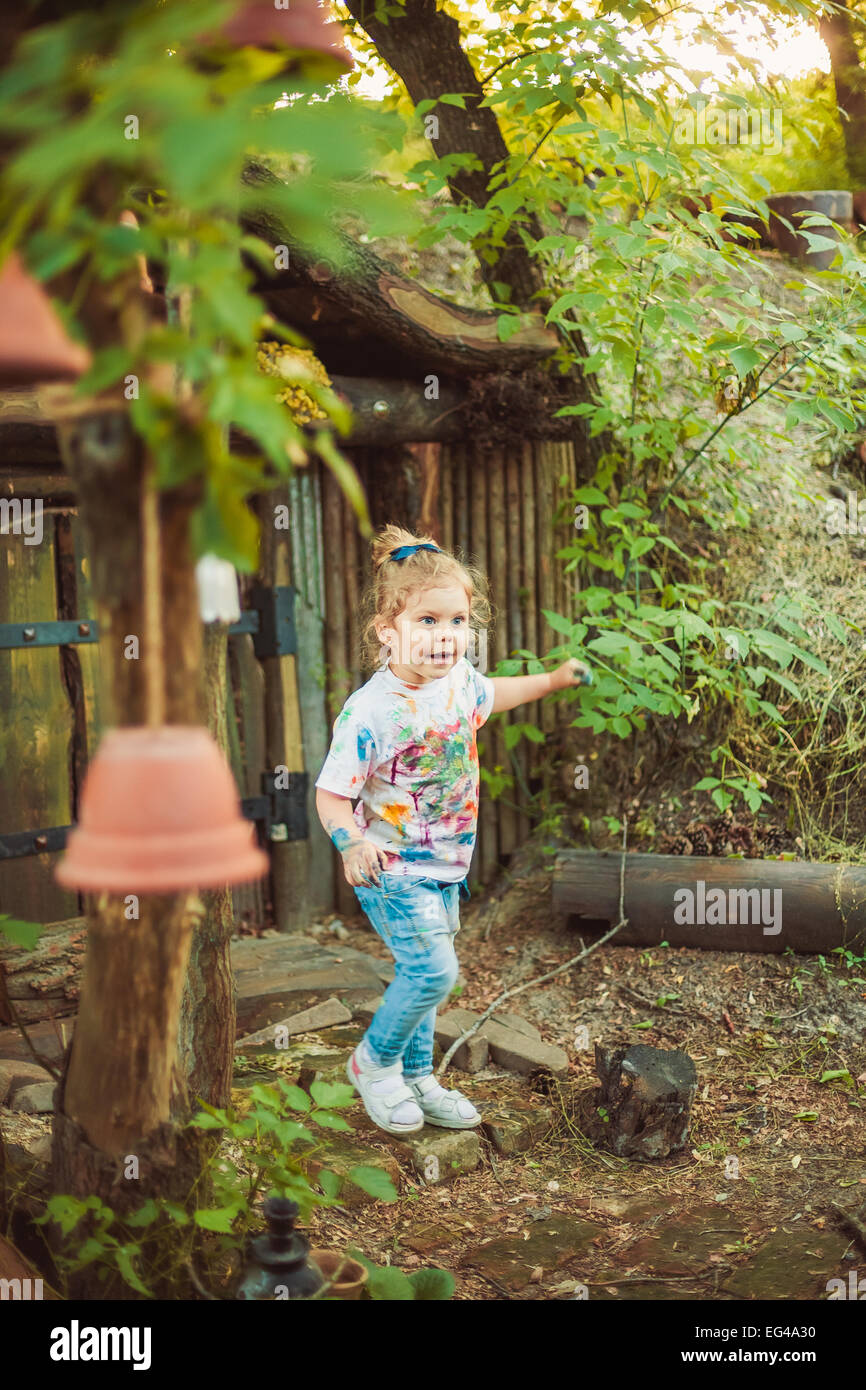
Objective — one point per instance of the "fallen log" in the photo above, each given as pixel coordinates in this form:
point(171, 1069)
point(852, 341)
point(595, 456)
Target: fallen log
point(717, 904)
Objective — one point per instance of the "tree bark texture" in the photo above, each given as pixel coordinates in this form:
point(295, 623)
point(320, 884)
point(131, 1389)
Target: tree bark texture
point(423, 47)
point(849, 77)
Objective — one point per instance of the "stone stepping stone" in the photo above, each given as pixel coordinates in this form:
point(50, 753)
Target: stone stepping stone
point(438, 1155)
point(795, 1261)
point(515, 1124)
point(431, 1236)
point(37, 1099)
point(521, 1052)
point(323, 1015)
point(347, 1151)
point(14, 1075)
point(277, 976)
point(551, 1244)
point(685, 1245)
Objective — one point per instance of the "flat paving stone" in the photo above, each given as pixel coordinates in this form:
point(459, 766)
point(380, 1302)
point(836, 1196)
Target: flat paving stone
point(430, 1236)
point(346, 1151)
point(276, 976)
point(325, 1015)
point(510, 1260)
point(628, 1208)
point(794, 1262)
point(685, 1244)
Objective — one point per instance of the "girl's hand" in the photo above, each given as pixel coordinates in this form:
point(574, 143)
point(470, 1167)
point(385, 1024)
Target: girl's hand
point(570, 674)
point(362, 863)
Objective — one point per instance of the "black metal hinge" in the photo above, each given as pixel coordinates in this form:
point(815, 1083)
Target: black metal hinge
point(282, 810)
point(281, 814)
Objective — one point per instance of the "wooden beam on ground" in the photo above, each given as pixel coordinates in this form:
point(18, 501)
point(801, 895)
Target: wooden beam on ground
point(761, 905)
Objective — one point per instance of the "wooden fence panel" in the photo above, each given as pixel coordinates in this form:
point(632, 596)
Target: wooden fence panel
point(36, 730)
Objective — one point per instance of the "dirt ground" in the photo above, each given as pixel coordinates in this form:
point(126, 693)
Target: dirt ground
point(762, 1030)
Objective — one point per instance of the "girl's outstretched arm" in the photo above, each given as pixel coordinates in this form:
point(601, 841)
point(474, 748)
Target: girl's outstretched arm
point(510, 691)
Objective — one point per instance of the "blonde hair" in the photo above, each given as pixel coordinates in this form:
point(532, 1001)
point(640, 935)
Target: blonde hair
point(394, 581)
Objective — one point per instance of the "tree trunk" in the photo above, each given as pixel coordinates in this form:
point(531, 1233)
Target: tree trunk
point(122, 1092)
point(207, 1023)
point(423, 47)
point(849, 77)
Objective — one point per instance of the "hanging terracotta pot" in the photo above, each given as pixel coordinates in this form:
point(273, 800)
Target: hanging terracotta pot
point(301, 26)
point(159, 813)
point(34, 345)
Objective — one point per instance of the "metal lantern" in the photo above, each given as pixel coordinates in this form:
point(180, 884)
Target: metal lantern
point(280, 1266)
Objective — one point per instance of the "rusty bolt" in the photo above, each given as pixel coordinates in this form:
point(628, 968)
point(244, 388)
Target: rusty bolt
point(41, 842)
point(29, 634)
point(84, 629)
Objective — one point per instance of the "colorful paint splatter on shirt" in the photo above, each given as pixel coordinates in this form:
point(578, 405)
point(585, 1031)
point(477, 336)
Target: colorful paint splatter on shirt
point(409, 754)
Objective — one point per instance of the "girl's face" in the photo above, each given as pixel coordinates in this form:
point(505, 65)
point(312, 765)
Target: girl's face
point(430, 635)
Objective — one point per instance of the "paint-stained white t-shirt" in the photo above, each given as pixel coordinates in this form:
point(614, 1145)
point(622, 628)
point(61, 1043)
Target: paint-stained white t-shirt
point(408, 752)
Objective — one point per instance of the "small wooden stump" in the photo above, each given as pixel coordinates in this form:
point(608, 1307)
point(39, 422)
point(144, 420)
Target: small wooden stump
point(647, 1094)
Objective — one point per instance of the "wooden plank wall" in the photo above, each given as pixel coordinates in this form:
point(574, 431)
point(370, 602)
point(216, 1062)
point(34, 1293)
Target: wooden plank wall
point(36, 725)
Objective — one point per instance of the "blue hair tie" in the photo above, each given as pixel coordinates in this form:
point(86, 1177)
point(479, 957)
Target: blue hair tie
point(403, 550)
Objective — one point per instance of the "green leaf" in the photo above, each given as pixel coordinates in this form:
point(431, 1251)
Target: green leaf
point(389, 1284)
point(204, 1121)
point(145, 1215)
point(374, 1181)
point(836, 415)
point(220, 1220)
point(558, 623)
point(744, 360)
point(294, 1096)
point(124, 1264)
point(329, 1121)
point(792, 332)
point(330, 1093)
point(430, 1284)
point(24, 934)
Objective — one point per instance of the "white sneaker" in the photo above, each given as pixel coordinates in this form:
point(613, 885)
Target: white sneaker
point(450, 1109)
point(385, 1095)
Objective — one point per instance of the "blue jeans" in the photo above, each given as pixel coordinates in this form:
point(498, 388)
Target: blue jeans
point(417, 918)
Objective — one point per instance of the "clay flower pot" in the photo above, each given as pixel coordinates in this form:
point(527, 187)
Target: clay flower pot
point(352, 1278)
point(301, 27)
point(34, 345)
point(159, 813)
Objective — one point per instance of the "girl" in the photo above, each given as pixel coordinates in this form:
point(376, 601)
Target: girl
point(405, 746)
